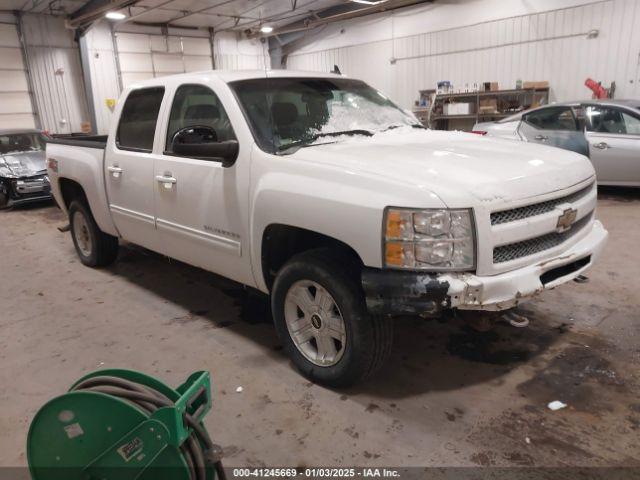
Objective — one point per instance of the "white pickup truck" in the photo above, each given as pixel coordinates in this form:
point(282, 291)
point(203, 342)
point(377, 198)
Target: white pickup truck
point(318, 190)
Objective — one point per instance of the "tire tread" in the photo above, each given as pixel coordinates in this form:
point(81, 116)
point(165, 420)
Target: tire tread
point(106, 248)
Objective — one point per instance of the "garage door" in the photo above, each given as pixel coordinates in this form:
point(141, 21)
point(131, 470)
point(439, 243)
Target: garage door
point(16, 110)
point(56, 74)
point(145, 56)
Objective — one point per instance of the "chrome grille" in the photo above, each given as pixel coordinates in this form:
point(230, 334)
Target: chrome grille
point(535, 245)
point(527, 211)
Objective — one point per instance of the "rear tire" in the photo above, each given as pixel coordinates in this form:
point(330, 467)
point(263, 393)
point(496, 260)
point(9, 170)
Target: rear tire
point(94, 247)
point(327, 291)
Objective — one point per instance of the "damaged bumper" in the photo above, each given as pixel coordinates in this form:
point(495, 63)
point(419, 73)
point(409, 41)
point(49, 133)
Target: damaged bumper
point(26, 189)
point(411, 293)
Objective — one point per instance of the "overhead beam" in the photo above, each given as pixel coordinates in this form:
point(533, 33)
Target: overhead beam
point(95, 9)
point(275, 17)
point(147, 10)
point(239, 21)
point(308, 23)
point(201, 10)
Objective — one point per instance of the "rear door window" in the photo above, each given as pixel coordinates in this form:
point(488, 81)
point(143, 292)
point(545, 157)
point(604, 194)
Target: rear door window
point(138, 119)
point(631, 123)
point(552, 118)
point(612, 120)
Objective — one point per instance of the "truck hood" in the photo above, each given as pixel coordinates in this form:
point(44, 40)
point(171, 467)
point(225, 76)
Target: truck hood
point(454, 165)
point(22, 164)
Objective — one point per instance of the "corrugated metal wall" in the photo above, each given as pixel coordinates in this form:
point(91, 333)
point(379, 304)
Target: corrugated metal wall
point(233, 54)
point(551, 46)
point(145, 56)
point(101, 73)
point(56, 74)
point(15, 104)
point(148, 55)
point(144, 52)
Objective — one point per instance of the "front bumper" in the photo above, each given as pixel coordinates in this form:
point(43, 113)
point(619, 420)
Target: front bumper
point(394, 293)
point(27, 189)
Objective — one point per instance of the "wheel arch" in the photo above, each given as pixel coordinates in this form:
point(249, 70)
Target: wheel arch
point(71, 189)
point(280, 242)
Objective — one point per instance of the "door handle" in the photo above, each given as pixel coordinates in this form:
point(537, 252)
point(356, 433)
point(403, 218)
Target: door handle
point(542, 138)
point(166, 180)
point(601, 145)
point(115, 171)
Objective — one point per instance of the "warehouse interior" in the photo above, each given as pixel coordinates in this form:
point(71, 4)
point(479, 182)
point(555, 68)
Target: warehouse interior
point(400, 53)
point(548, 386)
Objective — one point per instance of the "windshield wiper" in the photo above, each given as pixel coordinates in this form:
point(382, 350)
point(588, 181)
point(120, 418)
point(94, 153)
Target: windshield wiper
point(413, 125)
point(307, 142)
point(366, 133)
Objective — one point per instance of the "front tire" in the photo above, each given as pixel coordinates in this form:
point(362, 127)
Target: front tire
point(321, 317)
point(94, 247)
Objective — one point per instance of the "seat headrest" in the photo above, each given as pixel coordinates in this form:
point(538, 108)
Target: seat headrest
point(284, 113)
point(204, 111)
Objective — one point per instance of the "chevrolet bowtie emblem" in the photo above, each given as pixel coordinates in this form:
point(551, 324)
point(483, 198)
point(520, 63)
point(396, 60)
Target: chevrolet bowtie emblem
point(566, 219)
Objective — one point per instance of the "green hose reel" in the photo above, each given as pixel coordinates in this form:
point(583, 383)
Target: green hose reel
point(124, 425)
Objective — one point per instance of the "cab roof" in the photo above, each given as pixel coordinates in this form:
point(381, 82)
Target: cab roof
point(599, 101)
point(228, 76)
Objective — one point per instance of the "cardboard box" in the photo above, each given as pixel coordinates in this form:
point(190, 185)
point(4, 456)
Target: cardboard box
point(488, 105)
point(537, 84)
point(490, 86)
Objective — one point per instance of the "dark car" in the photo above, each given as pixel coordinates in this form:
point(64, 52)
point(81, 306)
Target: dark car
point(23, 170)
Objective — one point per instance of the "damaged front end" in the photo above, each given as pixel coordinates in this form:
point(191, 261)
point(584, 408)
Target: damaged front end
point(392, 292)
point(23, 178)
point(404, 293)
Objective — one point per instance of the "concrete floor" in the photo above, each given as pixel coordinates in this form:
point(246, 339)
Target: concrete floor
point(449, 396)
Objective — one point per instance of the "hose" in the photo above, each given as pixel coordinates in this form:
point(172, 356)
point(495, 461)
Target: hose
point(149, 400)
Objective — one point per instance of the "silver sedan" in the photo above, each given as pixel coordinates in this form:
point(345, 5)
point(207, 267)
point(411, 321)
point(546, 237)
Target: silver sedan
point(607, 131)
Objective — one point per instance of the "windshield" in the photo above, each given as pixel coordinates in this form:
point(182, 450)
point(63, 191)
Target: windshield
point(21, 142)
point(290, 113)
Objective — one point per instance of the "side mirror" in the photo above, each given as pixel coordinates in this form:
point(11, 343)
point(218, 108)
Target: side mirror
point(201, 142)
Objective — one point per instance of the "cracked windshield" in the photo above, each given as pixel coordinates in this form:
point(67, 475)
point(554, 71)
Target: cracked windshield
point(286, 114)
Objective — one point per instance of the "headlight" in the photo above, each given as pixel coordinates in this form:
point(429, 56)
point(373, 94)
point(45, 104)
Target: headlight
point(440, 239)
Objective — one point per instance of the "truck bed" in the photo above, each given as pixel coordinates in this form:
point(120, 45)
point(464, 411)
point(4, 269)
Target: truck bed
point(80, 159)
point(90, 141)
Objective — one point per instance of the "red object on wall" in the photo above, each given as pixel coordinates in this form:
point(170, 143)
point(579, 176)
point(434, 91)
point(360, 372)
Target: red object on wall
point(598, 90)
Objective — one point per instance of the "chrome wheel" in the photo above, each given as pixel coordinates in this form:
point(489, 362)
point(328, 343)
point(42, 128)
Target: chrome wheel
point(82, 234)
point(315, 323)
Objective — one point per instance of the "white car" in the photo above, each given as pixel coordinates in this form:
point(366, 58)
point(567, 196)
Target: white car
point(607, 131)
point(319, 191)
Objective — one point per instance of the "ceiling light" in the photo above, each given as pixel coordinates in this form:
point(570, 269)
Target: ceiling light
point(266, 29)
point(369, 2)
point(115, 15)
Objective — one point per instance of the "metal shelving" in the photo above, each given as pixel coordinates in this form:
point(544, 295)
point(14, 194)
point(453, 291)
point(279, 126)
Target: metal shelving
point(507, 102)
